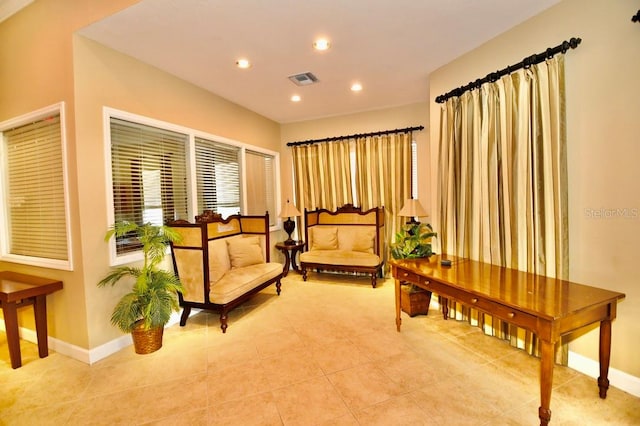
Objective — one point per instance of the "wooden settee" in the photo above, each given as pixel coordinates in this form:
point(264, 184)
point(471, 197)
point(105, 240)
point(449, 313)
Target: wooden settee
point(223, 262)
point(348, 240)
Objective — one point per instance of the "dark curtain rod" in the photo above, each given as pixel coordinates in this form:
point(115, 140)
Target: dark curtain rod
point(525, 63)
point(358, 135)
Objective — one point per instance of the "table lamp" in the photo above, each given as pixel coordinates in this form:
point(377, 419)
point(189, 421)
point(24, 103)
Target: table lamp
point(289, 211)
point(412, 208)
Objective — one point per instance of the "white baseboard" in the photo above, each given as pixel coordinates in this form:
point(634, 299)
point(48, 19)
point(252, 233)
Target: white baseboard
point(617, 378)
point(87, 356)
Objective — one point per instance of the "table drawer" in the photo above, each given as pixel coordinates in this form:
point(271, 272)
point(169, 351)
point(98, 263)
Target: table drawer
point(411, 277)
point(506, 313)
point(512, 316)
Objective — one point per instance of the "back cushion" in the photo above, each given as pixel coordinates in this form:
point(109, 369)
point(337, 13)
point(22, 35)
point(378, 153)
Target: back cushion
point(356, 238)
point(244, 251)
point(324, 238)
point(218, 259)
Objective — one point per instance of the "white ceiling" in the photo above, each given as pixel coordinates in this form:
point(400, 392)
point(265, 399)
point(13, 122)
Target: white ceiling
point(9, 7)
point(390, 46)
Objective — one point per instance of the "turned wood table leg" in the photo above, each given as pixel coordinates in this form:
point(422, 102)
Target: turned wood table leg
point(445, 307)
point(546, 381)
point(287, 261)
point(398, 305)
point(294, 264)
point(605, 354)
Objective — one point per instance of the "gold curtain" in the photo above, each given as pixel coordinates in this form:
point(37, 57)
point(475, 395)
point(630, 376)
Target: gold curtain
point(502, 181)
point(383, 176)
point(322, 175)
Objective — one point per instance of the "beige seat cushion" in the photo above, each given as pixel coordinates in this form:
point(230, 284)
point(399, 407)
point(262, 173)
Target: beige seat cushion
point(239, 281)
point(340, 257)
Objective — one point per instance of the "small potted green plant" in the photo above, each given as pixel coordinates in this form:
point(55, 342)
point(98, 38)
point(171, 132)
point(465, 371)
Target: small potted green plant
point(413, 241)
point(147, 308)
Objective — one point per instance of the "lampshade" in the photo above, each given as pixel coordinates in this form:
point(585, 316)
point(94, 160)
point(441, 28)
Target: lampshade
point(412, 208)
point(289, 210)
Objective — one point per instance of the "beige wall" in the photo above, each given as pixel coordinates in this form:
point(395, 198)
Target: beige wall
point(603, 106)
point(371, 121)
point(36, 60)
point(51, 65)
point(104, 77)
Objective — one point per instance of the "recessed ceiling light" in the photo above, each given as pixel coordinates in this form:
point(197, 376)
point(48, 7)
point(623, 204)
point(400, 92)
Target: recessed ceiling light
point(321, 44)
point(356, 87)
point(243, 63)
point(295, 98)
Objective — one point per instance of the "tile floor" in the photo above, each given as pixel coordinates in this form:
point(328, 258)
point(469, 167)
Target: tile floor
point(323, 353)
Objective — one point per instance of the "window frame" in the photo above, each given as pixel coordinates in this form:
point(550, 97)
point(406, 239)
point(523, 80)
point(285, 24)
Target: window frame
point(192, 190)
point(5, 255)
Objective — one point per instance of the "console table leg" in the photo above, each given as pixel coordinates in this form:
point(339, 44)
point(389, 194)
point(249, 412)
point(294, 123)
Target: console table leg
point(445, 307)
point(10, 313)
point(546, 381)
point(398, 305)
point(605, 355)
point(40, 312)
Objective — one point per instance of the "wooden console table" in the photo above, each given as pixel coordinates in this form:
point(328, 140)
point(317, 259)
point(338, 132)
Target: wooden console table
point(548, 307)
point(18, 290)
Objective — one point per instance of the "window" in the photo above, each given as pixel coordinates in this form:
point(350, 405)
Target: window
point(218, 177)
point(162, 172)
point(261, 185)
point(148, 170)
point(35, 229)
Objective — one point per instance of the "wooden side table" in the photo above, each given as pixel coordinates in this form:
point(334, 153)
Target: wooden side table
point(290, 251)
point(17, 290)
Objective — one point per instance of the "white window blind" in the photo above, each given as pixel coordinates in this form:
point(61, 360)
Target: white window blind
point(217, 177)
point(34, 190)
point(261, 185)
point(149, 176)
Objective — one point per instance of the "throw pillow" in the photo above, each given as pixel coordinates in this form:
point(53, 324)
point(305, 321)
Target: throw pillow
point(325, 238)
point(218, 260)
point(364, 241)
point(244, 252)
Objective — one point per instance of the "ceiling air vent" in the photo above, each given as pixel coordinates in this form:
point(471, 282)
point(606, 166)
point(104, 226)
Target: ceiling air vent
point(303, 79)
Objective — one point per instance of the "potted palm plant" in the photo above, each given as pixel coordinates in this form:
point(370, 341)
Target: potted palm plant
point(413, 241)
point(147, 308)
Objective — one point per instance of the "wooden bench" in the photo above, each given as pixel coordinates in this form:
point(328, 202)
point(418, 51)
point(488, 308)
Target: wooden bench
point(347, 240)
point(223, 262)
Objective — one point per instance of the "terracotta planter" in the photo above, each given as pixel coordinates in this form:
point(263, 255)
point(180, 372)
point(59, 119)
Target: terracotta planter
point(146, 341)
point(415, 302)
